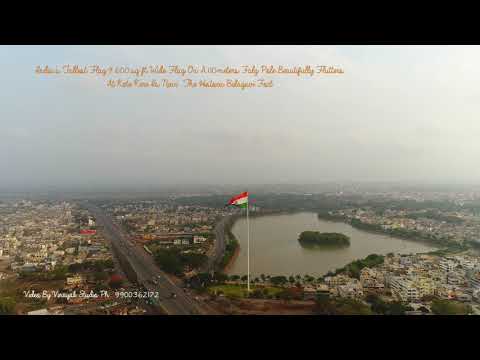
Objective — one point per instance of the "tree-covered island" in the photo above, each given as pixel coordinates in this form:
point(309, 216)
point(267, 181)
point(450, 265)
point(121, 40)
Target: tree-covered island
point(315, 238)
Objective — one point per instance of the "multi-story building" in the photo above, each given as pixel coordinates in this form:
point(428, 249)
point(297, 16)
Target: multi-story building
point(455, 278)
point(404, 289)
point(475, 281)
point(371, 278)
point(353, 289)
point(425, 285)
point(447, 265)
point(337, 280)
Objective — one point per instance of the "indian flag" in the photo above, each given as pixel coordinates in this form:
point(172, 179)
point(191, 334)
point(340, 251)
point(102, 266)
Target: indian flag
point(240, 200)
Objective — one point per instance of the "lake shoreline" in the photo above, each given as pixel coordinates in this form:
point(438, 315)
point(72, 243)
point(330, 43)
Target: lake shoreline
point(432, 243)
point(232, 260)
point(277, 251)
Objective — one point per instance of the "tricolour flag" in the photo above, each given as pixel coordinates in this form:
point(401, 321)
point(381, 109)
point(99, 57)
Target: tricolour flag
point(240, 200)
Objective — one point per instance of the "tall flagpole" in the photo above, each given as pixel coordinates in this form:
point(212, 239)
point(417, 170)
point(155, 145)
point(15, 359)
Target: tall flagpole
point(248, 252)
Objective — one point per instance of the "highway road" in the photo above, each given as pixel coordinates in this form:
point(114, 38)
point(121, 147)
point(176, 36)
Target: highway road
point(148, 274)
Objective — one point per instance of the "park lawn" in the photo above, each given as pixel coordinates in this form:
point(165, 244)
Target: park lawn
point(240, 291)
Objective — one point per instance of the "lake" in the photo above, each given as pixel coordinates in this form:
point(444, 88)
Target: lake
point(275, 250)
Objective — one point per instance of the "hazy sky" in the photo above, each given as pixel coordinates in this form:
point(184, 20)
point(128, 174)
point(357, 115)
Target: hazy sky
point(398, 113)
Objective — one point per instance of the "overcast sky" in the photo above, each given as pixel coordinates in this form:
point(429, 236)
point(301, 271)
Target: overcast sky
point(397, 114)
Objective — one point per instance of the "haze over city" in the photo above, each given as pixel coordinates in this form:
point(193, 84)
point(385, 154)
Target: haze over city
point(406, 113)
point(345, 185)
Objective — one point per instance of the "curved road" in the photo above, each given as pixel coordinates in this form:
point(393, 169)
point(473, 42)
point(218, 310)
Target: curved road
point(219, 246)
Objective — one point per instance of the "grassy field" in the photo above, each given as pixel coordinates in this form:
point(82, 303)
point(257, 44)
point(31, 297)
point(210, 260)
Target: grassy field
point(240, 291)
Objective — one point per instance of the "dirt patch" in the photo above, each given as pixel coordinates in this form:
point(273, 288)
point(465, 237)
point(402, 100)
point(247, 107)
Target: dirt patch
point(265, 307)
point(4, 265)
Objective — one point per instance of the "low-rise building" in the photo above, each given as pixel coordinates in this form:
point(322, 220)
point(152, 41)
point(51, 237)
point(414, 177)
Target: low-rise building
point(337, 280)
point(75, 280)
point(199, 239)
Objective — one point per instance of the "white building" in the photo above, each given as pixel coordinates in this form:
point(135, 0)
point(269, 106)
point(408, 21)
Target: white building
point(447, 265)
point(476, 295)
point(199, 239)
point(475, 281)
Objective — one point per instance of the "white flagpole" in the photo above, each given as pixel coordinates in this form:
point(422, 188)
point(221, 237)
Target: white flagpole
point(248, 252)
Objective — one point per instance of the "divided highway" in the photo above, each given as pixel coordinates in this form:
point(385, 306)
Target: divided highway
point(172, 299)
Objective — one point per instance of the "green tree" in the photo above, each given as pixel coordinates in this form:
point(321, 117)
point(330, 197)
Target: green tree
point(278, 280)
point(449, 307)
point(193, 260)
point(315, 238)
point(221, 277)
point(169, 261)
point(257, 294)
point(100, 276)
point(285, 296)
point(378, 305)
point(200, 281)
point(7, 305)
point(397, 308)
point(340, 306)
point(60, 273)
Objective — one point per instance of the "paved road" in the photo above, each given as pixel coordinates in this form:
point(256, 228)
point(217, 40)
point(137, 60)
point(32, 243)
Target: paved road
point(219, 246)
point(146, 269)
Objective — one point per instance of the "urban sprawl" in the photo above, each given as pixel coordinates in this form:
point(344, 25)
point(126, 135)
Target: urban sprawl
point(55, 257)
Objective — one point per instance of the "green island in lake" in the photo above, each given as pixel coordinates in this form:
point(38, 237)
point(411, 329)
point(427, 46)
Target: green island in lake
point(315, 238)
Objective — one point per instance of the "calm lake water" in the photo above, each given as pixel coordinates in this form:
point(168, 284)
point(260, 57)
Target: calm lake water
point(275, 250)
